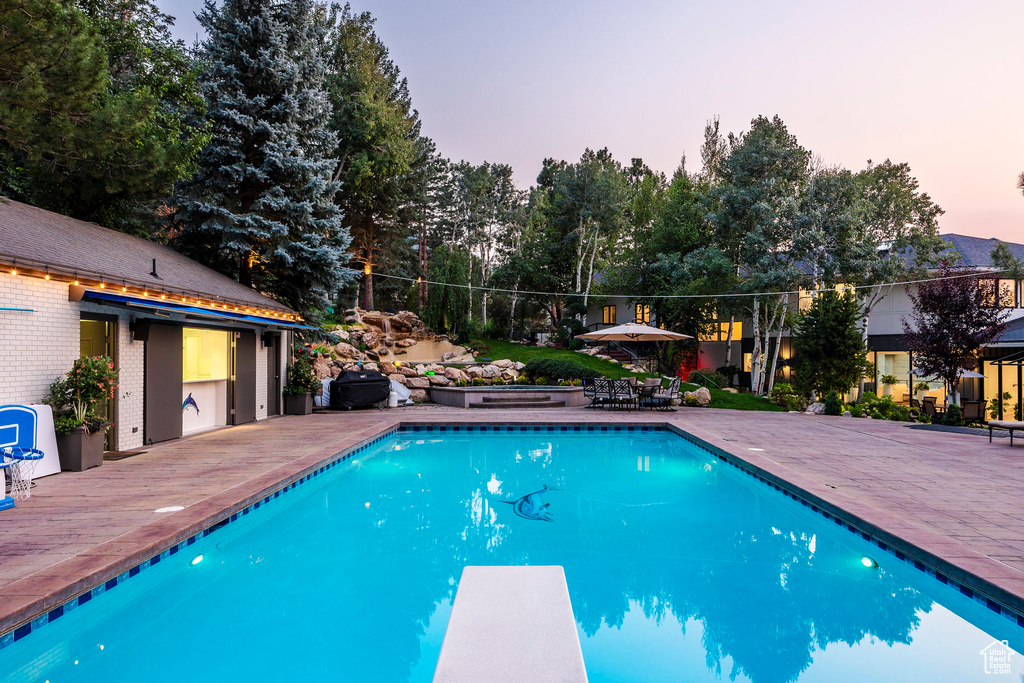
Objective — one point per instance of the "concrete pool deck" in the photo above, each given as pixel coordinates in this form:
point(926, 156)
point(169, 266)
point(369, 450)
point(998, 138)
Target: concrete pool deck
point(951, 499)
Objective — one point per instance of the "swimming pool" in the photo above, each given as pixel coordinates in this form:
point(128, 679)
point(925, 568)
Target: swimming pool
point(679, 567)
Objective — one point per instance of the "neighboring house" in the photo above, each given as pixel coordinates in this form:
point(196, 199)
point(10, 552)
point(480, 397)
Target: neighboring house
point(173, 327)
point(1001, 363)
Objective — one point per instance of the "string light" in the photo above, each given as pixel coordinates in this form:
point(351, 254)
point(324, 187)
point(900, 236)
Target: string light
point(162, 295)
point(520, 292)
point(47, 277)
point(103, 285)
point(14, 268)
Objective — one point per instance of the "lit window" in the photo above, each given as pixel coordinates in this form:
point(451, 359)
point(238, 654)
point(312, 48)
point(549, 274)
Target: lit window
point(204, 354)
point(609, 315)
point(747, 362)
point(643, 313)
point(806, 298)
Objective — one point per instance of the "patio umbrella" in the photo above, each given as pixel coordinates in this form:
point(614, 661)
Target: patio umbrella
point(633, 332)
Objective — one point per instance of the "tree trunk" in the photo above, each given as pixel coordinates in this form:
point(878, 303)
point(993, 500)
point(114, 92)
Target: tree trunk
point(580, 241)
point(590, 274)
point(778, 345)
point(469, 316)
point(512, 316)
point(728, 341)
point(755, 355)
point(423, 266)
point(368, 291)
point(876, 297)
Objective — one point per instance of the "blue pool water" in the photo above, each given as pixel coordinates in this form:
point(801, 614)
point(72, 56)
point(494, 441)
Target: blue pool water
point(679, 566)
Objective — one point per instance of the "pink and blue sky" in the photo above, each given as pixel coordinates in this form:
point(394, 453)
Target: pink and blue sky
point(935, 84)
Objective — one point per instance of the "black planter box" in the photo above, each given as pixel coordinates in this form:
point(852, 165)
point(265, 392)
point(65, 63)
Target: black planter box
point(298, 405)
point(79, 450)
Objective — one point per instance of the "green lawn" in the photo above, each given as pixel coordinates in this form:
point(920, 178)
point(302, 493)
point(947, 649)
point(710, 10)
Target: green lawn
point(518, 352)
point(499, 349)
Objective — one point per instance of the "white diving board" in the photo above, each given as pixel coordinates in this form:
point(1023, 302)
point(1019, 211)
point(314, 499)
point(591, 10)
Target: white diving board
point(511, 624)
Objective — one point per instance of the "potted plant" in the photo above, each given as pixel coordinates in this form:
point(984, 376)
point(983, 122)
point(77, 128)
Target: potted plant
point(75, 400)
point(302, 384)
point(921, 388)
point(887, 383)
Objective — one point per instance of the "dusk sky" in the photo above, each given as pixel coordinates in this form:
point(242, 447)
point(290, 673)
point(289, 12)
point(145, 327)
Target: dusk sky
point(935, 84)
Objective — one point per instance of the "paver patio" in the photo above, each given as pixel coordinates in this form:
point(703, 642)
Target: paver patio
point(950, 500)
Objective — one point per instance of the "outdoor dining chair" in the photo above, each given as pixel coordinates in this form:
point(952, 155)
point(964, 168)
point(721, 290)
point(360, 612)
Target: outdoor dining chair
point(928, 406)
point(624, 393)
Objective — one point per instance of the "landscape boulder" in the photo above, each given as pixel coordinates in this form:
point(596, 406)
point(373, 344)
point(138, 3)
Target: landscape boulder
point(419, 395)
point(703, 396)
point(406, 343)
point(346, 350)
point(455, 374)
point(474, 371)
point(439, 380)
point(417, 382)
point(816, 408)
point(407, 371)
point(490, 371)
point(401, 379)
point(503, 363)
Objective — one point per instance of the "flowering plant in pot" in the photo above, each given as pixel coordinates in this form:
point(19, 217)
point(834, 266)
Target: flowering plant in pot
point(76, 399)
point(302, 384)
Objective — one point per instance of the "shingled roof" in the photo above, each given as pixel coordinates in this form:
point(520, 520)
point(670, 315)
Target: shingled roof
point(976, 252)
point(40, 239)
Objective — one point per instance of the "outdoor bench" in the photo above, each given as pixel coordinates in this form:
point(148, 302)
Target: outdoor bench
point(1008, 425)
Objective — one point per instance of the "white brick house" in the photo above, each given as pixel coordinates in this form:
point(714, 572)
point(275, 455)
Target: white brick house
point(174, 328)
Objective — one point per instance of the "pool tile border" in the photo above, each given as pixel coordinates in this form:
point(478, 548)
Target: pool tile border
point(18, 632)
point(844, 519)
point(827, 510)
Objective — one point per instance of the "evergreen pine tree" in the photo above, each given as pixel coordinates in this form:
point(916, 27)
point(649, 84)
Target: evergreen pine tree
point(261, 207)
point(828, 350)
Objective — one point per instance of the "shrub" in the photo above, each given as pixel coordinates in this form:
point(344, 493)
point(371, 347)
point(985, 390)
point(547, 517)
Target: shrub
point(953, 417)
point(498, 381)
point(479, 382)
point(783, 395)
point(77, 397)
point(883, 405)
point(924, 418)
point(856, 411)
point(301, 378)
point(730, 372)
point(890, 379)
point(875, 415)
point(833, 405)
point(707, 377)
point(690, 401)
point(577, 383)
point(522, 379)
point(559, 368)
point(540, 381)
point(899, 413)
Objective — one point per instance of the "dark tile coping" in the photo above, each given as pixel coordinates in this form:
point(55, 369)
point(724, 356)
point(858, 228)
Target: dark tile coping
point(995, 598)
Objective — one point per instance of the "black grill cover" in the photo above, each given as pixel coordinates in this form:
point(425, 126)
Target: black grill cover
point(355, 389)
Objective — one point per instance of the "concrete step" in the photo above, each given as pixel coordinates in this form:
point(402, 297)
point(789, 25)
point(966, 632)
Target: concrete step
point(523, 403)
point(514, 399)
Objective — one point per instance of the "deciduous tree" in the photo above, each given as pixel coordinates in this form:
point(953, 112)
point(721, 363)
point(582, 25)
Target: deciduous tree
point(952, 319)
